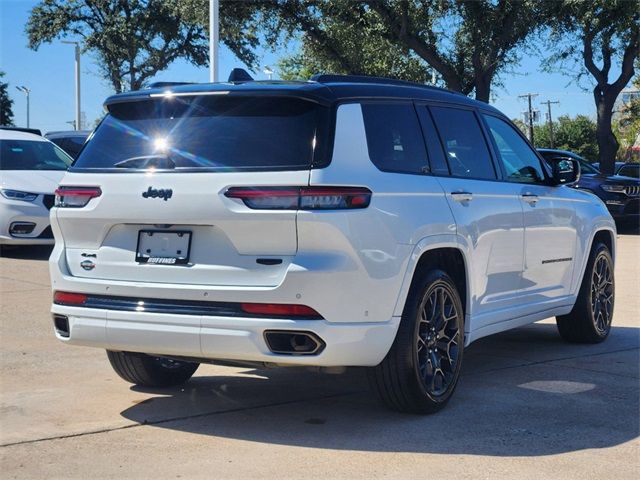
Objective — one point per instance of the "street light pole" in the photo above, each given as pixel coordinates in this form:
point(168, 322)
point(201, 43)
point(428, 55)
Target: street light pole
point(78, 125)
point(26, 91)
point(214, 11)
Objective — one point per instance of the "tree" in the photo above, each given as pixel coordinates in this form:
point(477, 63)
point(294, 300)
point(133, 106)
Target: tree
point(627, 126)
point(574, 134)
point(6, 104)
point(468, 42)
point(133, 39)
point(343, 47)
point(595, 38)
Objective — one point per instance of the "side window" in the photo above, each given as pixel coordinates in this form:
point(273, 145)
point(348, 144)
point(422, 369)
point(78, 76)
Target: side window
point(521, 164)
point(464, 144)
point(434, 149)
point(394, 137)
point(630, 171)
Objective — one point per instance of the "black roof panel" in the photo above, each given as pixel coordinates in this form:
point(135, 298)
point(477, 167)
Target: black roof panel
point(327, 90)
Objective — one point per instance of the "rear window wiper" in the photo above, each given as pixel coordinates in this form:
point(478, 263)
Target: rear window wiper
point(161, 161)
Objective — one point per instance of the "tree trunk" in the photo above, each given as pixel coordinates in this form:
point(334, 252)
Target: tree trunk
point(114, 76)
point(483, 88)
point(607, 142)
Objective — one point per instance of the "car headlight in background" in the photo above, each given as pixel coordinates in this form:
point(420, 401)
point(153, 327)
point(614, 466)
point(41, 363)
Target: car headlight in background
point(18, 195)
point(613, 188)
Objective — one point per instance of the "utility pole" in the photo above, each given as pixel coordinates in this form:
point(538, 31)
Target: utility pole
point(529, 96)
point(548, 104)
point(78, 124)
point(214, 24)
point(26, 91)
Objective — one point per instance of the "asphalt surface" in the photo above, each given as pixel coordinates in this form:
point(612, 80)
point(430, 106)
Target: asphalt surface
point(527, 406)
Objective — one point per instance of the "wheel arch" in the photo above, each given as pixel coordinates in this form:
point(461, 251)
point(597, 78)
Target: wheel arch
point(601, 233)
point(607, 237)
point(447, 252)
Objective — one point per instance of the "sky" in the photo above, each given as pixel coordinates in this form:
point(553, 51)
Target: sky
point(49, 73)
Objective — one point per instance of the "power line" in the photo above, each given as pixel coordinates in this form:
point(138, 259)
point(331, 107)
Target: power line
point(548, 103)
point(529, 96)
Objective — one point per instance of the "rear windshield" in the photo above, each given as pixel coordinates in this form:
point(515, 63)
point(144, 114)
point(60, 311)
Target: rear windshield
point(207, 132)
point(32, 155)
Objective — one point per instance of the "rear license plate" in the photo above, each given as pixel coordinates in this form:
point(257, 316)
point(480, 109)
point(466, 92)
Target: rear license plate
point(163, 247)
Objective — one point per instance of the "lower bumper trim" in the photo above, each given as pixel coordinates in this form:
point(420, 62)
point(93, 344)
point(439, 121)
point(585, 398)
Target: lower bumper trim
point(178, 307)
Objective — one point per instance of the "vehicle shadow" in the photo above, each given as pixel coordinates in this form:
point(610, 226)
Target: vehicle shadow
point(522, 393)
point(30, 252)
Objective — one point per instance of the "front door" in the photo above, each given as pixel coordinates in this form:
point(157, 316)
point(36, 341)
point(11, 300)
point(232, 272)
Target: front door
point(549, 219)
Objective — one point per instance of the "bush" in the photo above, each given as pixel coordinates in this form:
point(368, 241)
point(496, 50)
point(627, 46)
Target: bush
point(575, 134)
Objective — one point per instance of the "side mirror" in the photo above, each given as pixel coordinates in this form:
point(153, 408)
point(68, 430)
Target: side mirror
point(565, 171)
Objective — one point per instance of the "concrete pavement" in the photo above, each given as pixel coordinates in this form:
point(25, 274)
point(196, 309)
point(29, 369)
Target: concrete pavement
point(527, 406)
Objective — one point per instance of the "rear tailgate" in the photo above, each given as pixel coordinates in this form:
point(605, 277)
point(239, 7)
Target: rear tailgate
point(174, 168)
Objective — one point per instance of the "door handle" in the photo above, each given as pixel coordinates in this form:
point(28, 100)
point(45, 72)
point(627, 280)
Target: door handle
point(530, 198)
point(462, 196)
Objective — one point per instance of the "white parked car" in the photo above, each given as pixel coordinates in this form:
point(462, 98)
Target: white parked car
point(345, 221)
point(31, 168)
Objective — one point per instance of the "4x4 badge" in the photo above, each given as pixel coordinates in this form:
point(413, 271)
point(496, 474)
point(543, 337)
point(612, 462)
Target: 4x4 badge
point(163, 193)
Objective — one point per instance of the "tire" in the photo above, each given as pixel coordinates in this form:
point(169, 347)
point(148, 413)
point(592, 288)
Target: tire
point(590, 319)
point(406, 379)
point(149, 371)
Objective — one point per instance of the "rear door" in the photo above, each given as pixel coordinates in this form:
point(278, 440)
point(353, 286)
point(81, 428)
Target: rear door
point(163, 166)
point(487, 212)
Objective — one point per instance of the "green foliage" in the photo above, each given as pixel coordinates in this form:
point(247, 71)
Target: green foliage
point(6, 104)
point(362, 51)
point(338, 43)
point(575, 134)
point(132, 39)
point(627, 127)
point(593, 37)
point(583, 35)
point(468, 42)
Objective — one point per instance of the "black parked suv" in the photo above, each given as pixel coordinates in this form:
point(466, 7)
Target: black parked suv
point(70, 141)
point(620, 194)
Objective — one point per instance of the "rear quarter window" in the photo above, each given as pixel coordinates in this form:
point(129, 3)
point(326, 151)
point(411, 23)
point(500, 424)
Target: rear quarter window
point(394, 137)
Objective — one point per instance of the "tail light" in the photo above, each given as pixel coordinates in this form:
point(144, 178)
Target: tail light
point(302, 198)
point(75, 197)
point(69, 298)
point(280, 309)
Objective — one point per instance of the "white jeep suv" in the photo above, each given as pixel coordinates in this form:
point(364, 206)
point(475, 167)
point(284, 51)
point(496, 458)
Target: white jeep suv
point(344, 221)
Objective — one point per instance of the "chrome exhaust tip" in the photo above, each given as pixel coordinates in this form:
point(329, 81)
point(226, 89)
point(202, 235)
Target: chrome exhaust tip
point(288, 342)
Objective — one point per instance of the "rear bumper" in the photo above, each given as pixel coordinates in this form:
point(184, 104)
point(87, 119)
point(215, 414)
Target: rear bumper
point(5, 240)
point(224, 338)
point(358, 325)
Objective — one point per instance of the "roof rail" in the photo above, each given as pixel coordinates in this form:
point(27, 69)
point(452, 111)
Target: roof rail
point(332, 78)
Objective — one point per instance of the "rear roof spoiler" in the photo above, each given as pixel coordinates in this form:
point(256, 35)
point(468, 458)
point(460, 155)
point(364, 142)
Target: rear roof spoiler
point(167, 84)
